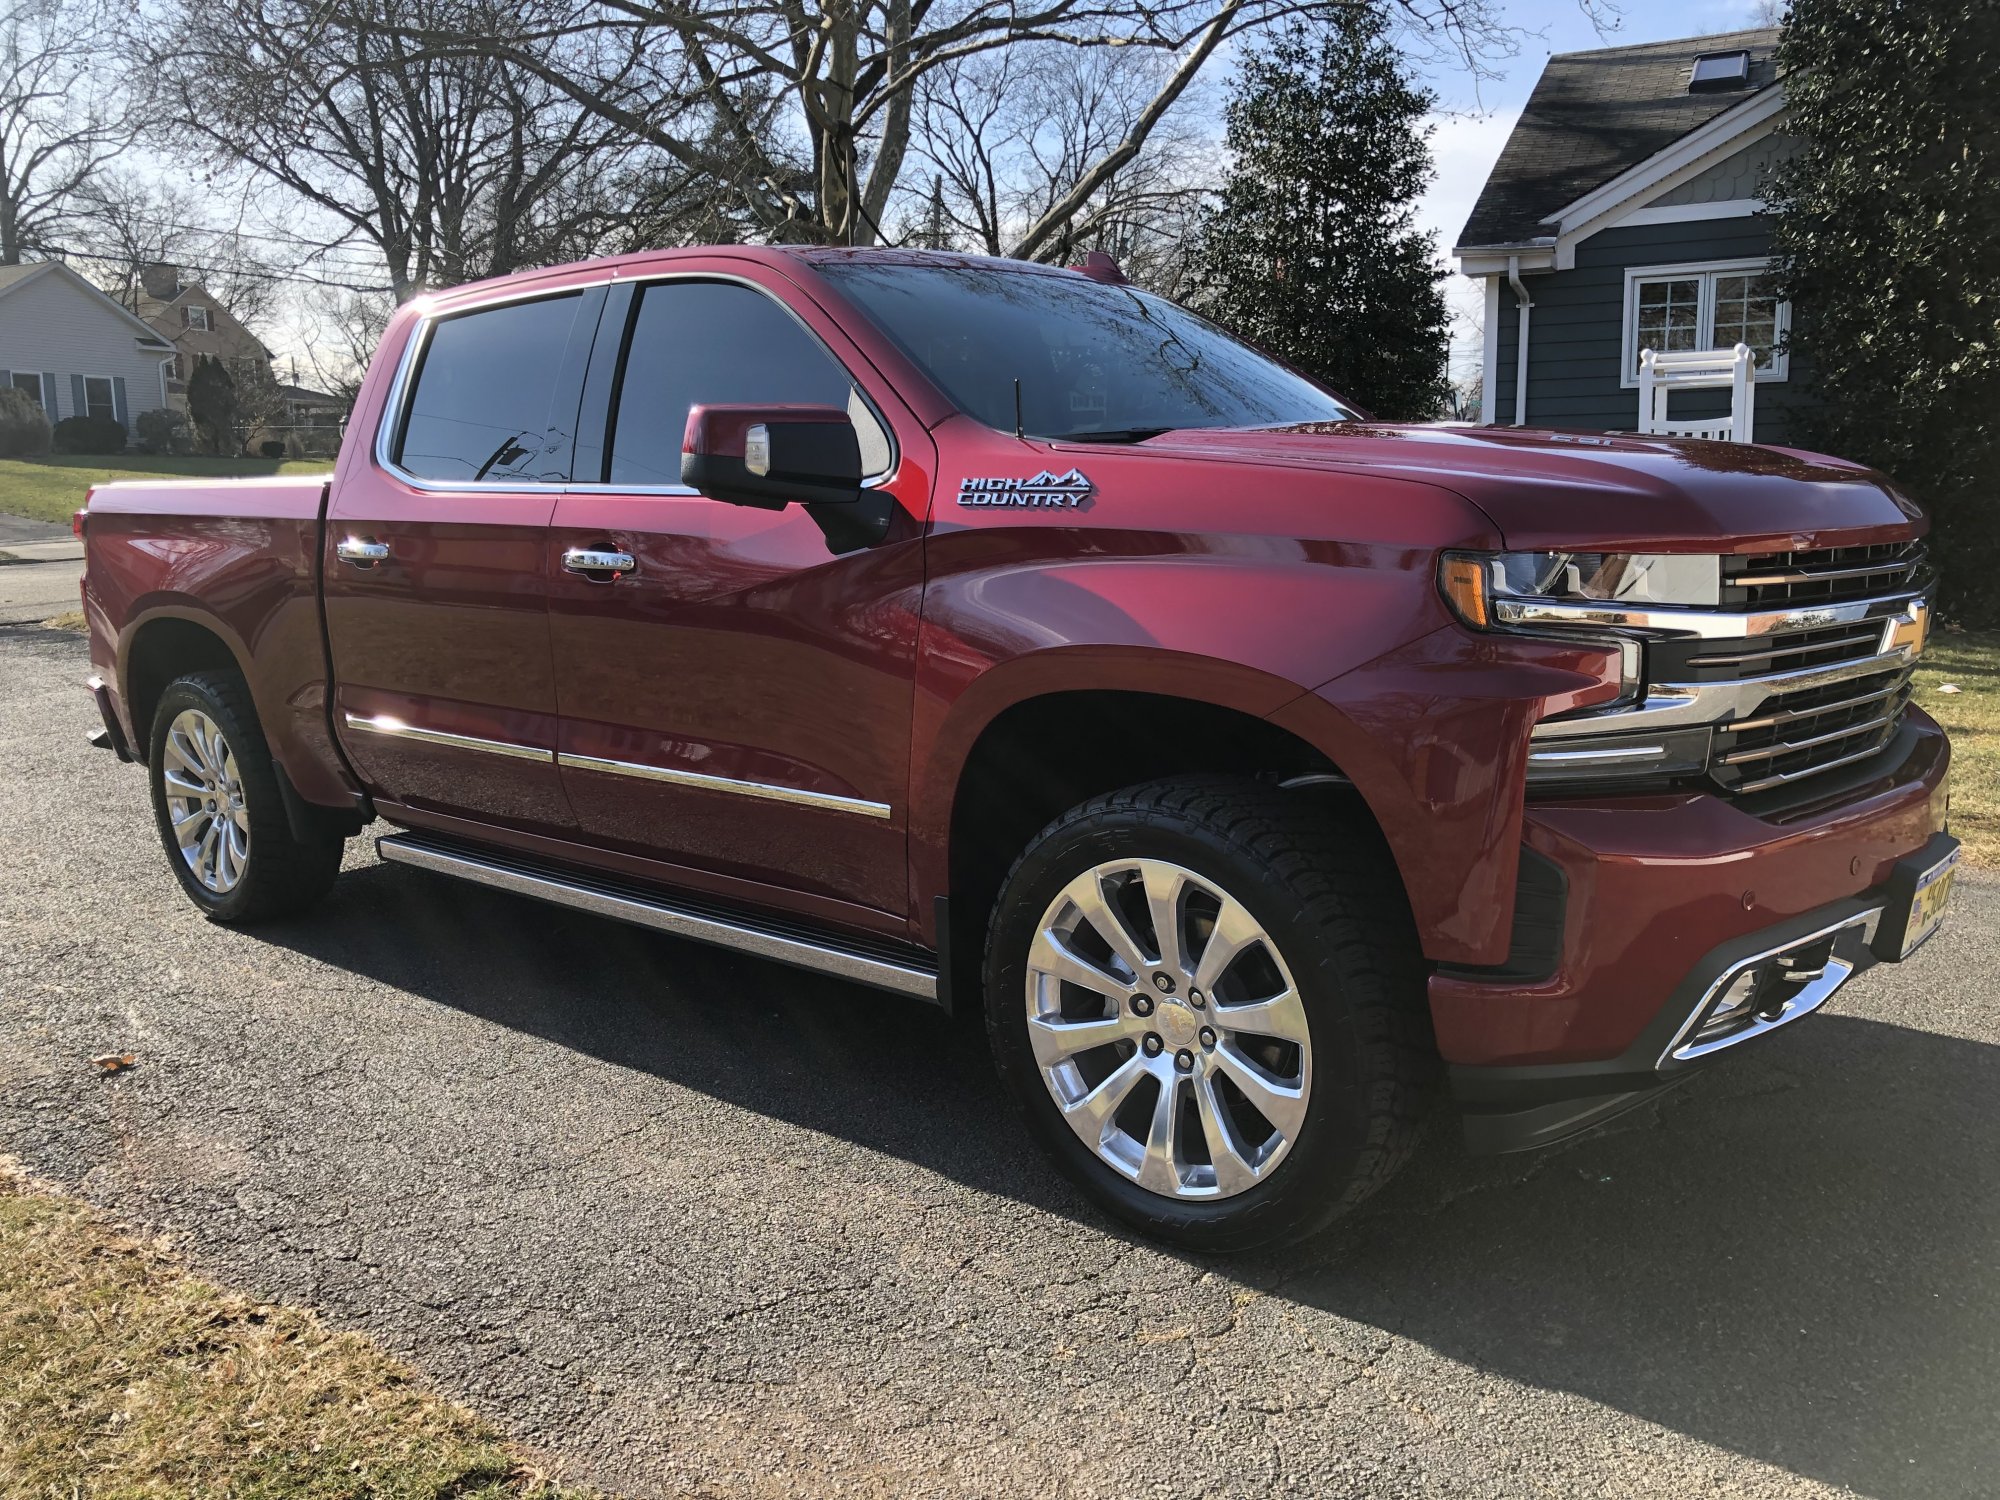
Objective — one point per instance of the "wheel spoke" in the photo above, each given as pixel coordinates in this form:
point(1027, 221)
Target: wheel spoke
point(179, 785)
point(1092, 1114)
point(1107, 921)
point(1055, 1039)
point(187, 829)
point(1281, 1016)
point(181, 748)
point(1232, 1172)
point(1164, 888)
point(206, 855)
point(1283, 1104)
point(1235, 931)
point(1052, 956)
point(1159, 1171)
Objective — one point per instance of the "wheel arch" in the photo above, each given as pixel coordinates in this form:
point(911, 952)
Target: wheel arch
point(165, 641)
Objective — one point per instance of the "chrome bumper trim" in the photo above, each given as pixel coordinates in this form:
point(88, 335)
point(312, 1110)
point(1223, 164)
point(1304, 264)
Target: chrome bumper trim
point(1718, 705)
point(824, 800)
point(1703, 624)
point(394, 728)
point(1810, 997)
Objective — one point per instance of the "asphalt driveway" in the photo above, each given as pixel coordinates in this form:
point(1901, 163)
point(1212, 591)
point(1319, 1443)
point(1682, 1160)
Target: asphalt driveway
point(697, 1224)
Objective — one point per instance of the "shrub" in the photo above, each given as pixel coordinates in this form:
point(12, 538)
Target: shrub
point(89, 435)
point(164, 430)
point(24, 426)
point(271, 448)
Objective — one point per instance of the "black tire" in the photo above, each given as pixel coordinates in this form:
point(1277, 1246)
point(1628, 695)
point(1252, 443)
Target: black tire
point(282, 874)
point(1319, 880)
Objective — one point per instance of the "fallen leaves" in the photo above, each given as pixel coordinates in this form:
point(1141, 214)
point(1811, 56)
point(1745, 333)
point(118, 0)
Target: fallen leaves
point(108, 1063)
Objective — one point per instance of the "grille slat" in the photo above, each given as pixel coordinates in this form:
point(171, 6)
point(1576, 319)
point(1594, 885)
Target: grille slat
point(1797, 735)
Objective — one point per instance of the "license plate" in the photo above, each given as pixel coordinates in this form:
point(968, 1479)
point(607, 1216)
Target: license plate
point(1927, 906)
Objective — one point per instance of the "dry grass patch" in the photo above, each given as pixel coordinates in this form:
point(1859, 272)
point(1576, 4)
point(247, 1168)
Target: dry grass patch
point(1969, 661)
point(122, 1375)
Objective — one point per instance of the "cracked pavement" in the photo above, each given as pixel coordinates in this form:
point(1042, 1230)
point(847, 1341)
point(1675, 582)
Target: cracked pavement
point(688, 1223)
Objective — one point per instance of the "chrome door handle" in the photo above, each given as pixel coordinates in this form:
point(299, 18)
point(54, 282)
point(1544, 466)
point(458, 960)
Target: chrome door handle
point(361, 554)
point(590, 560)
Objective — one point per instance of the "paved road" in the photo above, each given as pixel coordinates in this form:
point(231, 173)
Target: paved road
point(39, 567)
point(695, 1224)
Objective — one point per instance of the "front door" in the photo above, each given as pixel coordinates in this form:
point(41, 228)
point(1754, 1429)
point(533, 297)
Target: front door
point(738, 702)
point(438, 564)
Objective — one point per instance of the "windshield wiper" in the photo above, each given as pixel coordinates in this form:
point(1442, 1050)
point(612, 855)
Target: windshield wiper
point(1111, 435)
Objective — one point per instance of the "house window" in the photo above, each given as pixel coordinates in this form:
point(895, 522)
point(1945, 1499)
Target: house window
point(197, 316)
point(1670, 309)
point(97, 397)
point(31, 384)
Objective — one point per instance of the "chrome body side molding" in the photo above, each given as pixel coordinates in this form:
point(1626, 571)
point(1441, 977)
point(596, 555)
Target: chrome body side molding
point(385, 724)
point(883, 965)
point(824, 800)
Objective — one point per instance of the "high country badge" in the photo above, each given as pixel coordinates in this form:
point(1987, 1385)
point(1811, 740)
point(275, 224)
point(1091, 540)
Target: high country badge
point(1065, 490)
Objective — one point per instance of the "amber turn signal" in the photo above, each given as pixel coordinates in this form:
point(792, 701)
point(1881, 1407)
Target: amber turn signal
point(1463, 581)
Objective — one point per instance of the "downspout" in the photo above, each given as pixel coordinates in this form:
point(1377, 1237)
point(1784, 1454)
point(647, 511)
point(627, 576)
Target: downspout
point(1523, 304)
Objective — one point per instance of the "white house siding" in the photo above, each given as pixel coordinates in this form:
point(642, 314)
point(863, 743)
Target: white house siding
point(51, 326)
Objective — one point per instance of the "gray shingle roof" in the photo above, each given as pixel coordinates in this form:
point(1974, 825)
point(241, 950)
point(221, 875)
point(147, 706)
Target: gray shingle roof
point(1593, 115)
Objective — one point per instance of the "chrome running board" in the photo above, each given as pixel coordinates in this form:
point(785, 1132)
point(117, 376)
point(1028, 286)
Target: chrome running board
point(883, 963)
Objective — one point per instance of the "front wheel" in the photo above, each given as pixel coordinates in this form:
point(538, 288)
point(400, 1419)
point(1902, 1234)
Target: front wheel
point(1206, 996)
point(219, 811)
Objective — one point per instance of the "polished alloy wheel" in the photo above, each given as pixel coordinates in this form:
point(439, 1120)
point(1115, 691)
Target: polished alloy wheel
point(1168, 1029)
point(205, 801)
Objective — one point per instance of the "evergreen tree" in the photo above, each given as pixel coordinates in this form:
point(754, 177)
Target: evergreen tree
point(211, 397)
point(1312, 250)
point(1886, 225)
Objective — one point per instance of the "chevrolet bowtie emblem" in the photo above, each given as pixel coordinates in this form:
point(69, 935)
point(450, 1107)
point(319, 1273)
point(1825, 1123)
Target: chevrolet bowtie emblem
point(1909, 631)
point(1068, 490)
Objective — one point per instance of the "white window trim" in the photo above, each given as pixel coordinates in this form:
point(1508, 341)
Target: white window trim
point(111, 394)
point(1707, 270)
point(207, 323)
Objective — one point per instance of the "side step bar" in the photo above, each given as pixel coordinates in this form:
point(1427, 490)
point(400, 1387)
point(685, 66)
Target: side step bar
point(885, 965)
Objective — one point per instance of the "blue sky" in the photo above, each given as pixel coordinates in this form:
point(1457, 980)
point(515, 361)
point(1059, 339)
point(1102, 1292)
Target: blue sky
point(1473, 118)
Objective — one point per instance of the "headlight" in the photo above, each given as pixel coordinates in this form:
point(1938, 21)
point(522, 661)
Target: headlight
point(1580, 596)
point(1478, 585)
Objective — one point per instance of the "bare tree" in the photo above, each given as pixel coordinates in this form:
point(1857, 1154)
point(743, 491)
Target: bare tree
point(129, 221)
point(64, 113)
point(451, 166)
point(821, 158)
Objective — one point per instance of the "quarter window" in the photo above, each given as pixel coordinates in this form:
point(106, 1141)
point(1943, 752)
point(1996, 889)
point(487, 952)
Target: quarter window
point(1677, 308)
point(709, 343)
point(97, 397)
point(479, 410)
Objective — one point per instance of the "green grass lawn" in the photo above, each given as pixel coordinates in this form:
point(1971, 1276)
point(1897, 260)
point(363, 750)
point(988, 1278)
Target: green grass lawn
point(52, 488)
point(1970, 661)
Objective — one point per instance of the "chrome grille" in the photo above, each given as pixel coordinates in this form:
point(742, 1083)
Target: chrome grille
point(1801, 734)
point(1774, 580)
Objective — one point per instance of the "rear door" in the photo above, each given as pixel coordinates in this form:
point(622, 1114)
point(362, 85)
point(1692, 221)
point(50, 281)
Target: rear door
point(437, 566)
point(738, 703)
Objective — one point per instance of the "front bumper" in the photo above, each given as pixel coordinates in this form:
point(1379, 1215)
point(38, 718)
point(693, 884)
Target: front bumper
point(1665, 899)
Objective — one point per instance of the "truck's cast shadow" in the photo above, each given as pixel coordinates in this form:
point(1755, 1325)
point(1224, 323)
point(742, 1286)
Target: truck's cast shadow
point(1796, 1257)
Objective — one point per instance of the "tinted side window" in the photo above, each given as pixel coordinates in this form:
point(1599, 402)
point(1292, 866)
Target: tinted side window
point(480, 409)
point(710, 343)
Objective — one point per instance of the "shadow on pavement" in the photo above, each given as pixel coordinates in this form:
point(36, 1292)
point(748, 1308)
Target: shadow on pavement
point(1793, 1257)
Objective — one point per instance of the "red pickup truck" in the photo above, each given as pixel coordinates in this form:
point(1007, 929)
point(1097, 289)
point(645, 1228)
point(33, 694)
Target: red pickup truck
point(1012, 639)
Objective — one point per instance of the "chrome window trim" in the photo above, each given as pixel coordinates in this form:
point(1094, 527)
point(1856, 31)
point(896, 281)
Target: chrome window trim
point(394, 728)
point(1704, 624)
point(391, 421)
point(1694, 705)
point(1812, 995)
point(700, 782)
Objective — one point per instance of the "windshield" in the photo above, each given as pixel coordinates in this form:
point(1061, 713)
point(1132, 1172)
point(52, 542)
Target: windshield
point(1109, 362)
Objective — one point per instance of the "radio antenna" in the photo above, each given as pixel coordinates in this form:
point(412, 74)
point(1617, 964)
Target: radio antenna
point(1017, 408)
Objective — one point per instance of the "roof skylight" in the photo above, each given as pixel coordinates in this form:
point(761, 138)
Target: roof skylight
point(1716, 71)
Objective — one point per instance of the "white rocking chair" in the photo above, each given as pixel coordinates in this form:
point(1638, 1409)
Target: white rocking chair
point(1734, 370)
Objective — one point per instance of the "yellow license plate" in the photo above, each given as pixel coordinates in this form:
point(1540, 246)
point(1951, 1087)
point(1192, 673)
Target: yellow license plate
point(1927, 906)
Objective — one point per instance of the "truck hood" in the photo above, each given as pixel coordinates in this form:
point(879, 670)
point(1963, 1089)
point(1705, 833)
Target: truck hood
point(1551, 490)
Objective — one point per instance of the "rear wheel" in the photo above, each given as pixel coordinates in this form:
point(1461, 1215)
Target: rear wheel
point(1206, 996)
point(220, 815)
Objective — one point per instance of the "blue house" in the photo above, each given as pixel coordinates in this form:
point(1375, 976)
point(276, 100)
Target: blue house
point(1626, 212)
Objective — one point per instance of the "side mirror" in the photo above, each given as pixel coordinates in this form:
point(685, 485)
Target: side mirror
point(771, 456)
